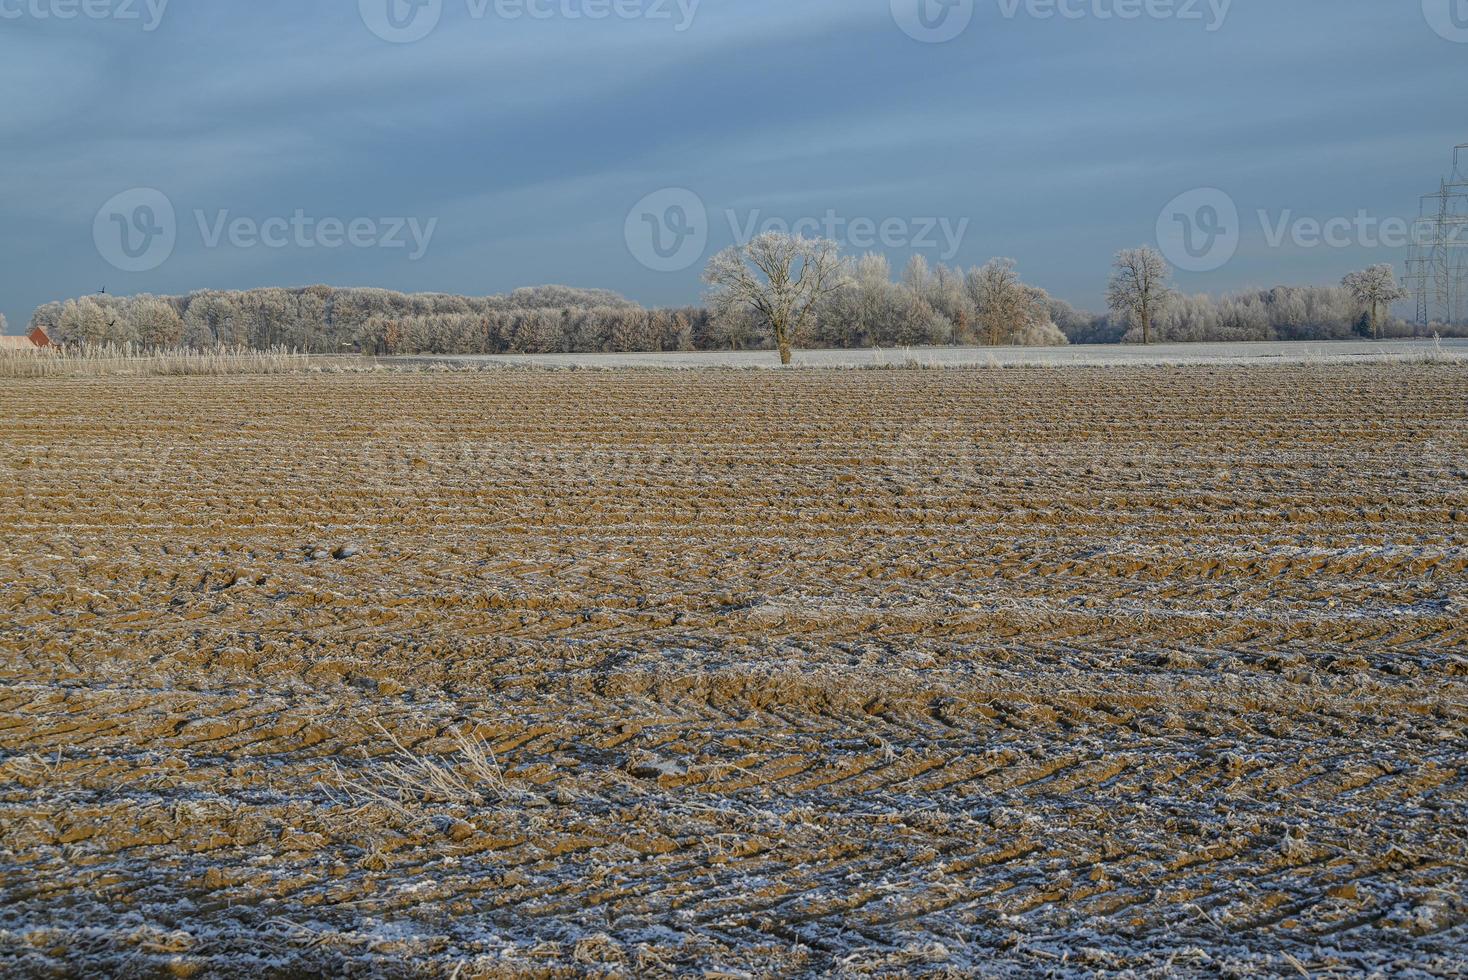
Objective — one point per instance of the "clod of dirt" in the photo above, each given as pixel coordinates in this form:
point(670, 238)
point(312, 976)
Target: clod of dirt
point(1006, 818)
point(453, 828)
point(1232, 762)
point(655, 768)
point(1348, 665)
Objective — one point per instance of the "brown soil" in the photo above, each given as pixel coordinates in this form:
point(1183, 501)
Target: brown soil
point(1053, 670)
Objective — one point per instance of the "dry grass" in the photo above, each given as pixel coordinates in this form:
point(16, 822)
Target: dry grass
point(168, 362)
point(409, 781)
point(1142, 672)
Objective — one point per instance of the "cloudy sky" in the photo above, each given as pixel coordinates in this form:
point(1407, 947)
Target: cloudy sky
point(293, 141)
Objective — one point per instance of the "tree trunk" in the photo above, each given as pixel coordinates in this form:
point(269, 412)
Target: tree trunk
point(782, 340)
point(1375, 324)
point(1146, 328)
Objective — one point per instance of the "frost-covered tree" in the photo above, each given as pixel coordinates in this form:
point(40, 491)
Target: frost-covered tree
point(86, 322)
point(856, 313)
point(1038, 328)
point(941, 290)
point(1003, 305)
point(909, 321)
point(948, 296)
point(536, 331)
point(1078, 326)
point(917, 276)
point(1376, 289)
point(584, 330)
point(1009, 312)
point(681, 336)
point(1138, 288)
point(48, 317)
point(738, 328)
point(630, 331)
point(210, 319)
point(265, 316)
point(783, 279)
point(154, 322)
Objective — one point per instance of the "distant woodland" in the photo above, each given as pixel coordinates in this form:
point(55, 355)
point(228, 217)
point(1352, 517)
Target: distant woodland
point(923, 306)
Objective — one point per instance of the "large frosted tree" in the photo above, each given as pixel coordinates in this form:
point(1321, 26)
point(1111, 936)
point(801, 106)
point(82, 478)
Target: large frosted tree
point(779, 278)
point(1376, 289)
point(1139, 288)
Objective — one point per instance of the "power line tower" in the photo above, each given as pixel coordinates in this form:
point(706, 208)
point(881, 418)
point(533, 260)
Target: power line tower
point(1437, 259)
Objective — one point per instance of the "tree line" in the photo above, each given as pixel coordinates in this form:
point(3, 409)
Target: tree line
point(774, 292)
point(1146, 308)
point(323, 319)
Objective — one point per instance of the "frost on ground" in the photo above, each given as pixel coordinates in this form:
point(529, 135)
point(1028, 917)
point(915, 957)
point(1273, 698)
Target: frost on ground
point(1094, 355)
point(1052, 671)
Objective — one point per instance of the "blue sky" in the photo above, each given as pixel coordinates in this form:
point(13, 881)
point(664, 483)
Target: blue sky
point(1053, 140)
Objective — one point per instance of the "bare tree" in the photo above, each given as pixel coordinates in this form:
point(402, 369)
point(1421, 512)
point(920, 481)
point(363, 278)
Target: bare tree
point(782, 279)
point(1376, 289)
point(1139, 287)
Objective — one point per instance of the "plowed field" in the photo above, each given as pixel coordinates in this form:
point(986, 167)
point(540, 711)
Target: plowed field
point(1005, 671)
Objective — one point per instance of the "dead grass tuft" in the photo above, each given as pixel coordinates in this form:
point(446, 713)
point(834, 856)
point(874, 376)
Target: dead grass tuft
point(471, 778)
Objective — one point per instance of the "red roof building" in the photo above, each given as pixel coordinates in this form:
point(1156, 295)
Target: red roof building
point(37, 339)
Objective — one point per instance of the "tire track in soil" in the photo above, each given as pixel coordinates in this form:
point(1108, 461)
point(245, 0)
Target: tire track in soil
point(1001, 670)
